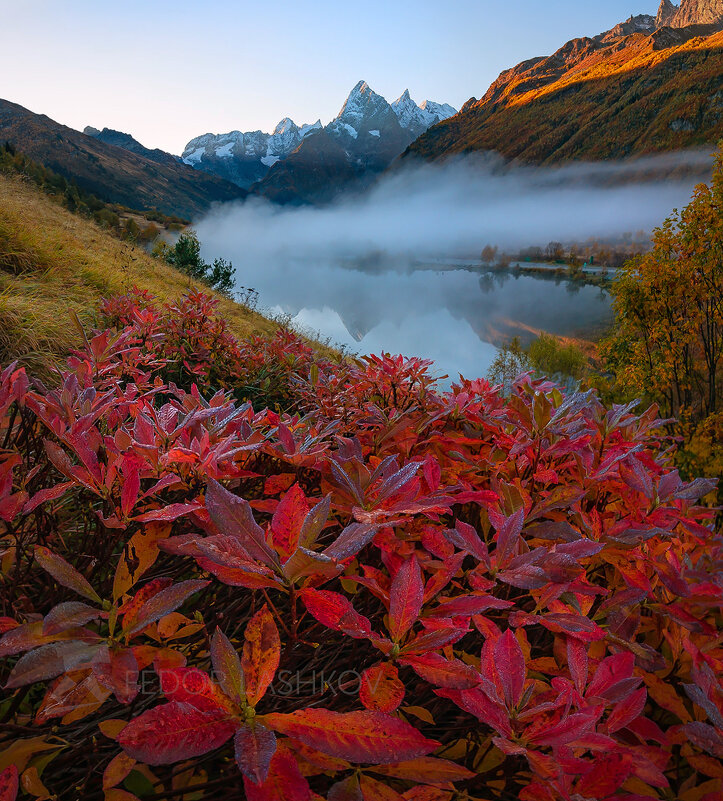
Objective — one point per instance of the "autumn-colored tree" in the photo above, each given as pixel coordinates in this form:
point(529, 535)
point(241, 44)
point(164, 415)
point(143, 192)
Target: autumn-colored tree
point(667, 343)
point(668, 338)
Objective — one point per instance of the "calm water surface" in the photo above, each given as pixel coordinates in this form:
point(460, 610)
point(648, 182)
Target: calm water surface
point(455, 316)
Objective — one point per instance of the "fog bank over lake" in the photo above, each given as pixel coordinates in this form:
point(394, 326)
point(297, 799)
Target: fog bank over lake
point(352, 270)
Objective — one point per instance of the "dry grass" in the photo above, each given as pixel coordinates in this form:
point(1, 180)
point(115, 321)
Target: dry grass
point(53, 262)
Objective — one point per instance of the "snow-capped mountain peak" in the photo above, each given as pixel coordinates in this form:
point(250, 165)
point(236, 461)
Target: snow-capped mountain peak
point(418, 118)
point(286, 125)
point(368, 131)
point(362, 102)
point(441, 110)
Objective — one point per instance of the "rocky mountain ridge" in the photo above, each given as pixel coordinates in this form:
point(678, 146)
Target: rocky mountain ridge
point(113, 173)
point(127, 142)
point(690, 12)
point(639, 88)
point(367, 133)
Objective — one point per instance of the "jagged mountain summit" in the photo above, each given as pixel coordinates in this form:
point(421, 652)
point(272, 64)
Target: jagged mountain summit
point(245, 158)
point(416, 119)
point(365, 136)
point(690, 12)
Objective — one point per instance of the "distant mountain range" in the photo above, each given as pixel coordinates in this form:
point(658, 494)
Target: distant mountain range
point(115, 173)
point(363, 139)
point(651, 84)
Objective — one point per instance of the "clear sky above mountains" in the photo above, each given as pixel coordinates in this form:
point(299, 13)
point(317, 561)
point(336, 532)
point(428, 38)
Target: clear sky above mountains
point(169, 70)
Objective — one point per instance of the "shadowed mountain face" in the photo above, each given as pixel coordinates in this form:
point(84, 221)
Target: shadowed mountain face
point(114, 174)
point(314, 162)
point(636, 89)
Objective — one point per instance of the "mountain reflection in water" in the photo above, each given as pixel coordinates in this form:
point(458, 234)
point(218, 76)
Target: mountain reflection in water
point(455, 316)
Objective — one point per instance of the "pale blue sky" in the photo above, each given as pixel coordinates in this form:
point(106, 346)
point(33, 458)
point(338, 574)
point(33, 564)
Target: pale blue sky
point(169, 70)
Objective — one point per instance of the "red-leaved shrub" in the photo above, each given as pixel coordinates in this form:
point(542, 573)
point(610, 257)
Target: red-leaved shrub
point(370, 590)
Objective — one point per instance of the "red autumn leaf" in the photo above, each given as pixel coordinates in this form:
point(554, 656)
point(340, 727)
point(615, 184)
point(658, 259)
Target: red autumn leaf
point(468, 605)
point(9, 783)
point(426, 770)
point(706, 737)
point(7, 623)
point(193, 686)
point(380, 688)
point(357, 736)
point(464, 537)
point(176, 731)
point(233, 517)
point(284, 781)
point(65, 573)
point(45, 495)
point(570, 728)
point(117, 670)
point(168, 513)
point(336, 612)
point(227, 666)
point(432, 640)
point(254, 748)
point(612, 674)
point(226, 558)
point(128, 611)
point(577, 662)
point(405, 598)
point(508, 537)
point(627, 710)
point(163, 603)
point(373, 790)
point(131, 470)
point(510, 666)
point(478, 703)
point(351, 540)
point(279, 482)
point(608, 773)
point(261, 655)
point(287, 521)
point(451, 673)
point(50, 661)
point(68, 615)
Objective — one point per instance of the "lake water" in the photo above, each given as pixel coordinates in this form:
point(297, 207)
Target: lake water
point(354, 270)
point(457, 317)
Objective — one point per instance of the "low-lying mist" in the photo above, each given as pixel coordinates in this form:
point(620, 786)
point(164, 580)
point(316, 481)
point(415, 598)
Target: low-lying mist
point(455, 208)
point(367, 271)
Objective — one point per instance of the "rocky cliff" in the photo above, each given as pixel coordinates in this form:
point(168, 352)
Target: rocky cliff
point(690, 12)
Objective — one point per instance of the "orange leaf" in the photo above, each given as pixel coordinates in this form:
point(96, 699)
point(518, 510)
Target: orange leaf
point(381, 688)
point(261, 655)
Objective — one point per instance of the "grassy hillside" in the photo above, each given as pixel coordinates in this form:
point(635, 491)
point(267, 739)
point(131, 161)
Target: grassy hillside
point(596, 100)
point(53, 263)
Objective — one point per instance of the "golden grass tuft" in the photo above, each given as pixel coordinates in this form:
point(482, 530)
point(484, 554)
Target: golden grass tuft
point(53, 263)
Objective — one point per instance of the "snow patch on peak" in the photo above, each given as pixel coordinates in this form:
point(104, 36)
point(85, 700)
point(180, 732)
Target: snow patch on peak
point(307, 129)
point(441, 110)
point(286, 125)
point(226, 151)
